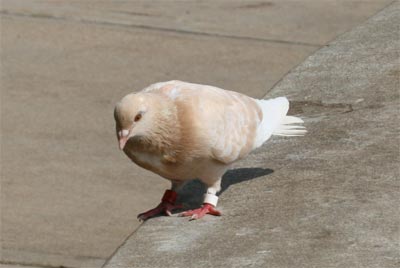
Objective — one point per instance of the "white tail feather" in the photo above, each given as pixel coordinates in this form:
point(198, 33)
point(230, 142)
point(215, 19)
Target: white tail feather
point(287, 127)
point(292, 120)
point(276, 122)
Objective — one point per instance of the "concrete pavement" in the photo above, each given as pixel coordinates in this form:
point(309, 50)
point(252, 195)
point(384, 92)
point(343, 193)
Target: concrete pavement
point(329, 199)
point(306, 22)
point(68, 196)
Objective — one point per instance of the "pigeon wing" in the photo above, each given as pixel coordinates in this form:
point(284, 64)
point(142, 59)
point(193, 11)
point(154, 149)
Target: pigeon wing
point(227, 121)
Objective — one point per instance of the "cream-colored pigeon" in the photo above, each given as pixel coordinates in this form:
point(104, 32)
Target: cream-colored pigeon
point(183, 131)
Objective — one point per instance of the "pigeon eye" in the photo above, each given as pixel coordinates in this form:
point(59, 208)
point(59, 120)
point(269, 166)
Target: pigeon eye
point(138, 117)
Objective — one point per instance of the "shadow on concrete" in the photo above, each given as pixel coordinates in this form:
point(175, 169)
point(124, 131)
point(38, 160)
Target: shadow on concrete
point(191, 195)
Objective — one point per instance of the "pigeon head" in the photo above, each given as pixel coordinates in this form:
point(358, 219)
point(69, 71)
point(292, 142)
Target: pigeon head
point(133, 117)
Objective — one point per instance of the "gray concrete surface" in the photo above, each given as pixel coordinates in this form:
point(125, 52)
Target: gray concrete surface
point(329, 199)
point(68, 196)
point(305, 22)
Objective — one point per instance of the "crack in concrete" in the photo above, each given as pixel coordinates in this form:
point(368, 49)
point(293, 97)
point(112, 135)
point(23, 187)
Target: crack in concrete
point(155, 28)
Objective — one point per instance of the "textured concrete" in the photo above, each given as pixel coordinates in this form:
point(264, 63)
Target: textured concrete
point(68, 196)
point(329, 199)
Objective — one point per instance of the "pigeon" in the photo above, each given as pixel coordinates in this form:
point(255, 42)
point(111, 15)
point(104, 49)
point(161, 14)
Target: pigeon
point(183, 131)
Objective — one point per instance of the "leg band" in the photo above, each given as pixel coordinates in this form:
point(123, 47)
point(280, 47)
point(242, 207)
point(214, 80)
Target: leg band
point(169, 197)
point(211, 199)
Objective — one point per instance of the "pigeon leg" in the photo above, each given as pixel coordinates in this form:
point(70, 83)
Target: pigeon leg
point(209, 204)
point(166, 206)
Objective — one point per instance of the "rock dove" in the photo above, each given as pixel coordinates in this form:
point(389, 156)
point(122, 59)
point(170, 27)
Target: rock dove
point(183, 131)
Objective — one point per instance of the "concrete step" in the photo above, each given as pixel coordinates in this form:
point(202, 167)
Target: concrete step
point(329, 199)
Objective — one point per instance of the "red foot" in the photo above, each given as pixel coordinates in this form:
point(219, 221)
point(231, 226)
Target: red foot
point(166, 206)
point(200, 212)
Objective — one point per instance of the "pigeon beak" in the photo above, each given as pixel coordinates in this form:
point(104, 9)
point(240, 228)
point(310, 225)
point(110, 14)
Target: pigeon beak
point(122, 142)
point(123, 137)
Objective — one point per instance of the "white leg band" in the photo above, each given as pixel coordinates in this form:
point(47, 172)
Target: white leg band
point(211, 199)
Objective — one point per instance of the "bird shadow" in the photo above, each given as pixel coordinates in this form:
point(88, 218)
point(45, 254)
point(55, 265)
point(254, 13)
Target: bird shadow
point(191, 194)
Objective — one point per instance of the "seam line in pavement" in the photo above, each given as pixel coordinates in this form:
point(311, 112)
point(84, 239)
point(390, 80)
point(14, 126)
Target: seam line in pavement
point(157, 28)
point(33, 265)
